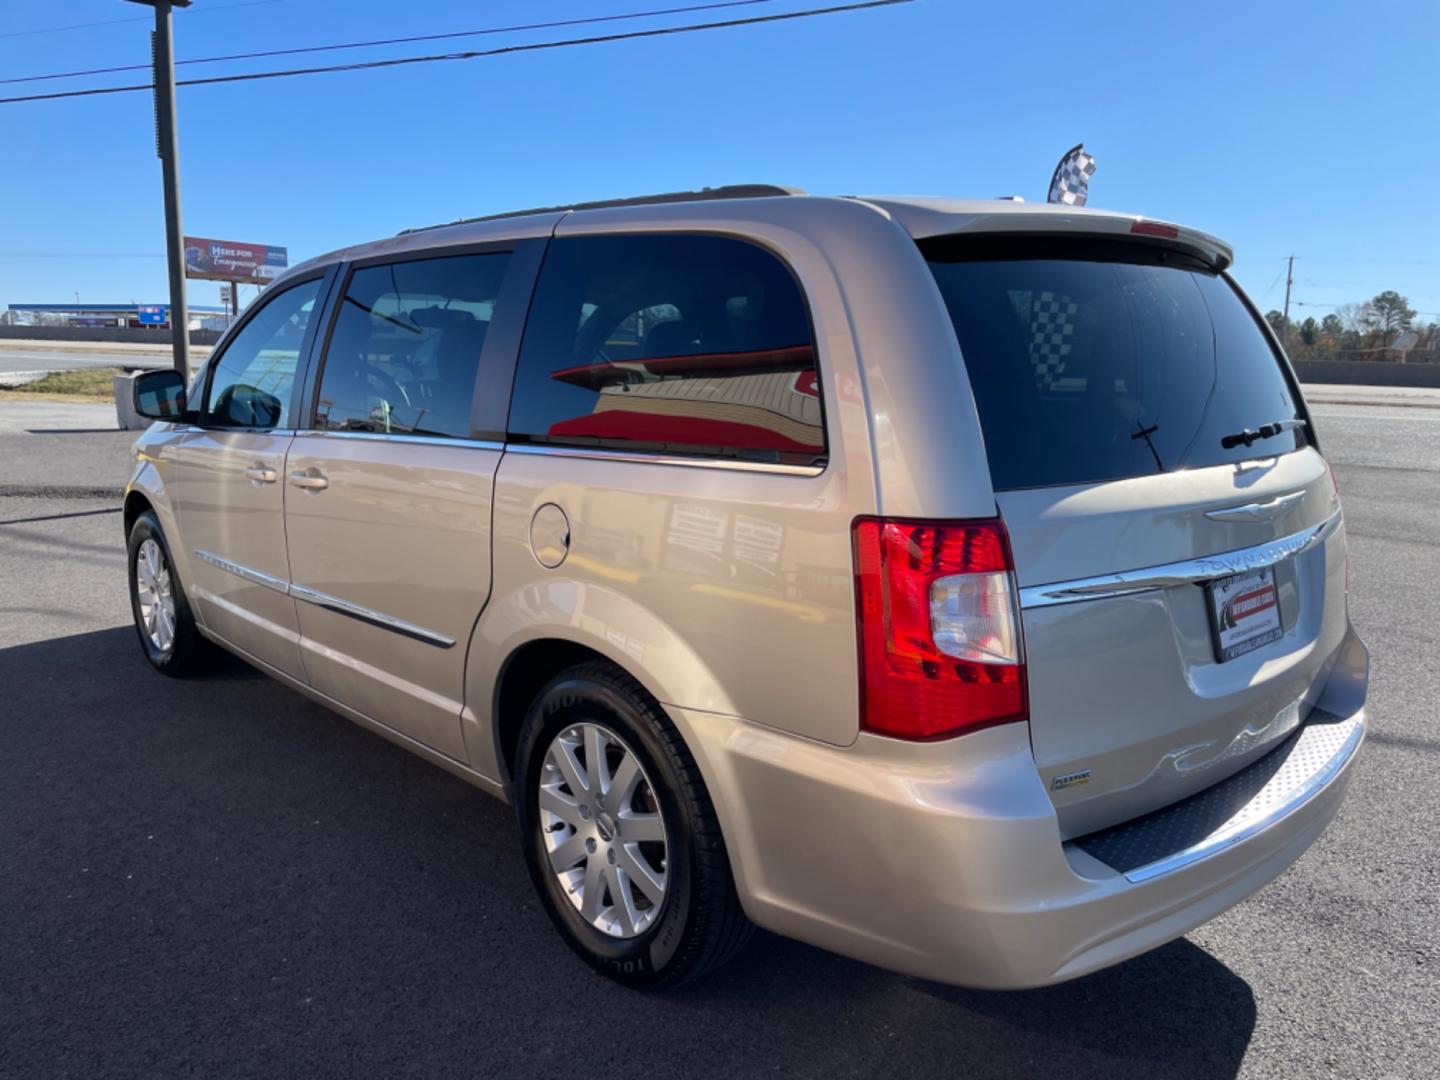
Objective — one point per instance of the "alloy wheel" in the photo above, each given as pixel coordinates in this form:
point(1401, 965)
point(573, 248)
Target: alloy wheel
point(155, 594)
point(603, 833)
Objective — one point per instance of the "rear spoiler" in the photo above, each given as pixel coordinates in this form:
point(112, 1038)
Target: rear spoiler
point(1193, 242)
point(924, 222)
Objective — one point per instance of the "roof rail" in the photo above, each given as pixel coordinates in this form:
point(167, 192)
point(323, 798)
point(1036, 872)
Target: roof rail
point(727, 191)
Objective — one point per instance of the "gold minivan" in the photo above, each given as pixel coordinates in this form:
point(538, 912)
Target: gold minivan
point(956, 585)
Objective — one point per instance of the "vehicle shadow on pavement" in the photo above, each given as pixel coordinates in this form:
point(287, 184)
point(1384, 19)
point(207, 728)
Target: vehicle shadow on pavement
point(216, 876)
point(1174, 1012)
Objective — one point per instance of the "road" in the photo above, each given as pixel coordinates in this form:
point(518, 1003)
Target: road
point(14, 360)
point(216, 877)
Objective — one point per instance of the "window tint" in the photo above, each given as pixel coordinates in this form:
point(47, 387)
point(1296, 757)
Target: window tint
point(673, 344)
point(1092, 361)
point(253, 378)
point(406, 347)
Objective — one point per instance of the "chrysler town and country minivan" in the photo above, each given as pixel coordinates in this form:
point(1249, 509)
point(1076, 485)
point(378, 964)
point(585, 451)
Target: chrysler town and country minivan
point(954, 585)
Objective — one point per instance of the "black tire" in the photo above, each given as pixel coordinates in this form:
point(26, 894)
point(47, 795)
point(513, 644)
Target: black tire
point(700, 924)
point(189, 652)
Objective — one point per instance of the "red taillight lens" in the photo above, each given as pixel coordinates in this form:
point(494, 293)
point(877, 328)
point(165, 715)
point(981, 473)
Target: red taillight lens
point(939, 627)
point(1155, 228)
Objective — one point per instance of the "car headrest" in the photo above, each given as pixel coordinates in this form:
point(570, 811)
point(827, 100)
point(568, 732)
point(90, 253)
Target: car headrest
point(676, 338)
point(459, 352)
point(440, 318)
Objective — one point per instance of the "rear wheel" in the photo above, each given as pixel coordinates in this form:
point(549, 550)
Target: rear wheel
point(163, 619)
point(620, 835)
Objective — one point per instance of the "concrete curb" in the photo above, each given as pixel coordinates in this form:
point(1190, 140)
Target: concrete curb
point(11, 379)
point(1374, 403)
point(59, 491)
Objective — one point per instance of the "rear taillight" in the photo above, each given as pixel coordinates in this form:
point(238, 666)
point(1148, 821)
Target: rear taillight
point(939, 627)
point(1155, 228)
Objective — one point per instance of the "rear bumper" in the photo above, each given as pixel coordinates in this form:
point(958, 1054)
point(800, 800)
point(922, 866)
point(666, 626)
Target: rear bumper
point(945, 860)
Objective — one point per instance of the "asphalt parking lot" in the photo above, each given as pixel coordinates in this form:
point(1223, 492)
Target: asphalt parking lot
point(217, 877)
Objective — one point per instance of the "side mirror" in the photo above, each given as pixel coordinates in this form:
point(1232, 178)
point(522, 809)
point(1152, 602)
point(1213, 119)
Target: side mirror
point(159, 395)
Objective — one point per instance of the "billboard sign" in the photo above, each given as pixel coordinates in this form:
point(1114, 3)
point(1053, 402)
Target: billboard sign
point(154, 315)
point(223, 260)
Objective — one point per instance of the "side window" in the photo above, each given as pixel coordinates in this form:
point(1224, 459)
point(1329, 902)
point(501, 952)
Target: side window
point(673, 344)
point(406, 348)
point(253, 378)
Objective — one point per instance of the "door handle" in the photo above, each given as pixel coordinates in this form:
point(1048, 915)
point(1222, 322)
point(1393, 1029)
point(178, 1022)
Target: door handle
point(309, 480)
point(260, 474)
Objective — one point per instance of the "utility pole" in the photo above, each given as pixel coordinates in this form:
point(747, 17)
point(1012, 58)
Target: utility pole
point(1285, 321)
point(167, 151)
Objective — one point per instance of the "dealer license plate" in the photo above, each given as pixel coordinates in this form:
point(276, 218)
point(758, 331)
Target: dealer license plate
point(1244, 613)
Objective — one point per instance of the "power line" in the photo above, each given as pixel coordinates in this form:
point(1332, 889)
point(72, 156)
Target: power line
point(1345, 259)
point(1352, 303)
point(471, 55)
point(1271, 288)
point(137, 18)
point(590, 20)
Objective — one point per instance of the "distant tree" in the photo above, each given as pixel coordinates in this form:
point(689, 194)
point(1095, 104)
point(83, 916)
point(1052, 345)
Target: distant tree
point(1309, 331)
point(1354, 317)
point(1277, 323)
point(1388, 314)
point(1332, 325)
point(1428, 348)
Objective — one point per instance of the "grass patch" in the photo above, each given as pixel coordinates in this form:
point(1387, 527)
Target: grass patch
point(89, 384)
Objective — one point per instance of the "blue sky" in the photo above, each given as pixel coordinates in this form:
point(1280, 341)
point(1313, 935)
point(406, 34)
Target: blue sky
point(1305, 127)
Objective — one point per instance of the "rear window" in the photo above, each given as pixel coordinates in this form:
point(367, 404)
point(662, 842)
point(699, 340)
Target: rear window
point(695, 345)
point(1095, 361)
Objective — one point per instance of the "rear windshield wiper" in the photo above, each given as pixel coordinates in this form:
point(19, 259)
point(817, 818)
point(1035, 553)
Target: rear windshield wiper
point(1265, 431)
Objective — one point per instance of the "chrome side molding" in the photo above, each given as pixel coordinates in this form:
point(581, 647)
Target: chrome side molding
point(643, 458)
point(370, 615)
point(330, 603)
point(1187, 572)
point(280, 585)
point(416, 440)
point(630, 456)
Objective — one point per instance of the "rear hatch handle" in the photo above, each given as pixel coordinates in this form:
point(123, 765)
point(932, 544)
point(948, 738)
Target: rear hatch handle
point(1187, 572)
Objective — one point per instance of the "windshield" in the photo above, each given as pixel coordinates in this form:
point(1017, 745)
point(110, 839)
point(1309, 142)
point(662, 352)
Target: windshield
point(1096, 360)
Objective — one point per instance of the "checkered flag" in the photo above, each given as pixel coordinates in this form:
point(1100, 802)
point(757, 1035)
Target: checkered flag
point(1052, 332)
point(1071, 183)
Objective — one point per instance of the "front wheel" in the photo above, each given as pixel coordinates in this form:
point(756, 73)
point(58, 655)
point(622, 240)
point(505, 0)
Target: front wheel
point(162, 613)
point(620, 835)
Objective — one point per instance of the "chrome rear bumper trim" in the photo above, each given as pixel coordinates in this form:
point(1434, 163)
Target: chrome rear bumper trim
point(1244, 826)
point(1188, 572)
